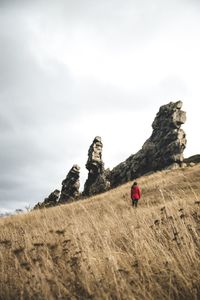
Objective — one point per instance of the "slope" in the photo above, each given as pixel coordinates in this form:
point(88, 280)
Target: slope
point(102, 248)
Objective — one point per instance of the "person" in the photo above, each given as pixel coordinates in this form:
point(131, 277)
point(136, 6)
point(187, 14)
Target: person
point(135, 194)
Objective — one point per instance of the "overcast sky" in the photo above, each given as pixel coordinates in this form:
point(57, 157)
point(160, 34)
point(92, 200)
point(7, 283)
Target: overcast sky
point(71, 70)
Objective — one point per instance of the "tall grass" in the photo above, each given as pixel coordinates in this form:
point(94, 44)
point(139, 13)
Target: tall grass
point(102, 248)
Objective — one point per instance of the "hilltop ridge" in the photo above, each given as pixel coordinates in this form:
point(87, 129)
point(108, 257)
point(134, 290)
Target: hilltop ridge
point(162, 150)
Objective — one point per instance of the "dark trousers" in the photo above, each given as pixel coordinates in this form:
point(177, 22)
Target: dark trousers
point(135, 202)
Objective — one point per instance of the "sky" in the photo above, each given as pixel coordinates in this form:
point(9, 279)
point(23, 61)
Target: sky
point(72, 70)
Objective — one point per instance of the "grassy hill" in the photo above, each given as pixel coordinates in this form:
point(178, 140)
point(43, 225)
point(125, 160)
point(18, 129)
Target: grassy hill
point(102, 248)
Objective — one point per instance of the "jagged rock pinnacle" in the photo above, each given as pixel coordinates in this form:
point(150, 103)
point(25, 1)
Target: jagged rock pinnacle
point(97, 181)
point(70, 185)
point(164, 148)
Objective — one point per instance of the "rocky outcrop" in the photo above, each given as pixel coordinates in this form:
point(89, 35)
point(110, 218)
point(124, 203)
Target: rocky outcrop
point(96, 181)
point(51, 200)
point(194, 159)
point(164, 148)
point(70, 185)
point(69, 192)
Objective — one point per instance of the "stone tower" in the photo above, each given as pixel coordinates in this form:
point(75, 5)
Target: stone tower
point(164, 148)
point(96, 181)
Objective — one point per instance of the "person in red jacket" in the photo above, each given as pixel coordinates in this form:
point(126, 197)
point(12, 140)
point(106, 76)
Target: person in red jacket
point(135, 193)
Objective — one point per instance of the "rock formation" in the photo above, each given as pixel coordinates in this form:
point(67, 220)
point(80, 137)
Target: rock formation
point(51, 200)
point(192, 160)
point(164, 148)
point(70, 185)
point(97, 181)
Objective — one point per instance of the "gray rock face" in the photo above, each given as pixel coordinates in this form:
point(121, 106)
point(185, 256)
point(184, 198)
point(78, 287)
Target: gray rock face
point(51, 200)
point(70, 185)
point(164, 147)
point(195, 159)
point(97, 181)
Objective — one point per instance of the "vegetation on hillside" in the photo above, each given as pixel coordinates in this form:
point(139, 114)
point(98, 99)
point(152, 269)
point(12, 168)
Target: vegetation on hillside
point(102, 248)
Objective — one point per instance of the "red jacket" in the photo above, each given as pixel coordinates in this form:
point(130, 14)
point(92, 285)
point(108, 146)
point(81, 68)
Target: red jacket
point(135, 192)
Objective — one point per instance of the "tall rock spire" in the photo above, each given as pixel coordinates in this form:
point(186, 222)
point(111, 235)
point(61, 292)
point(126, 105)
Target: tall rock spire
point(164, 148)
point(97, 181)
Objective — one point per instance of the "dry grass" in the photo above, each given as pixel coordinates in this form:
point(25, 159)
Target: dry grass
point(102, 248)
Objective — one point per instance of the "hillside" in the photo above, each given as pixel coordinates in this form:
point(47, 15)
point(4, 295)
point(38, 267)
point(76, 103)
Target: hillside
point(102, 248)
